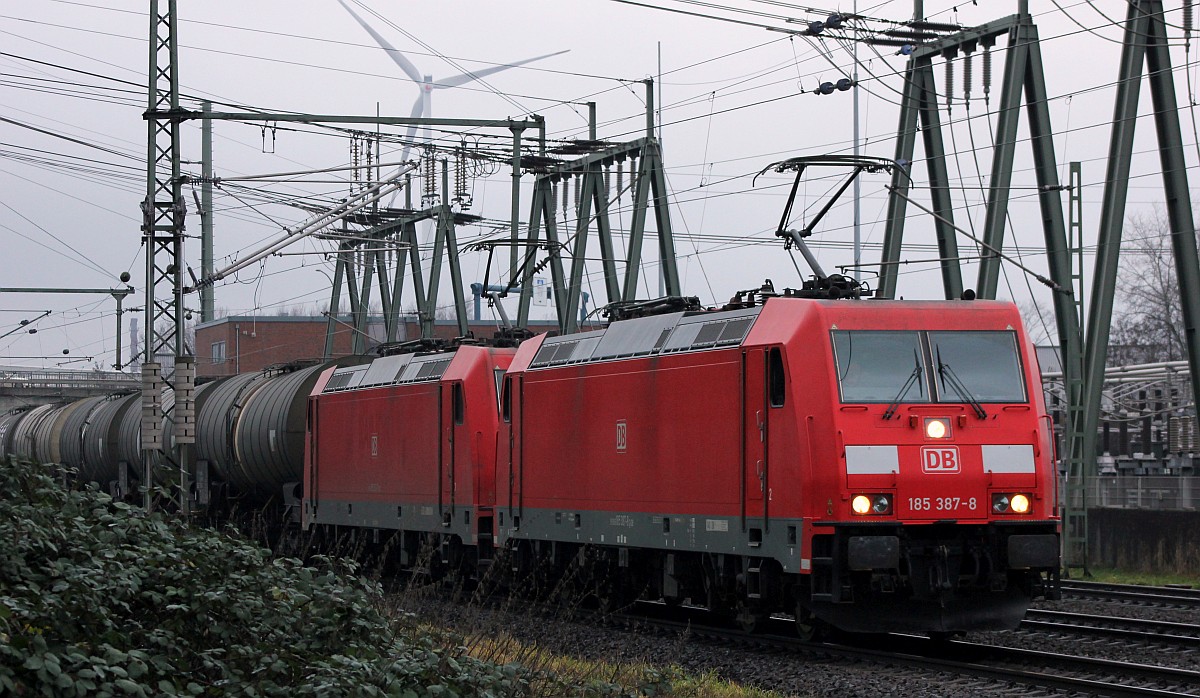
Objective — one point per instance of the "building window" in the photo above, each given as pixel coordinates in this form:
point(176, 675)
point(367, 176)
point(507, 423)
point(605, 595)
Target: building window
point(218, 352)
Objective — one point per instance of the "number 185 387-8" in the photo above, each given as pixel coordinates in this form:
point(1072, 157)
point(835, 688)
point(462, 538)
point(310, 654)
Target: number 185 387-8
point(942, 503)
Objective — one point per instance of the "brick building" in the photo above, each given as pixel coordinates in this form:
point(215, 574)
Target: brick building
point(245, 343)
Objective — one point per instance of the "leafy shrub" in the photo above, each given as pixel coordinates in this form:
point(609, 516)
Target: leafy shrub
point(98, 597)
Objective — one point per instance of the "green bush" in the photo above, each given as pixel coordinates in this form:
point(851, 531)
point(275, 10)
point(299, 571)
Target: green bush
point(99, 598)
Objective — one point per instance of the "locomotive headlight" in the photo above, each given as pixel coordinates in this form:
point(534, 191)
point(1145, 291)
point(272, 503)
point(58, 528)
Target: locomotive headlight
point(877, 504)
point(937, 428)
point(882, 505)
point(1020, 504)
point(861, 504)
point(1010, 503)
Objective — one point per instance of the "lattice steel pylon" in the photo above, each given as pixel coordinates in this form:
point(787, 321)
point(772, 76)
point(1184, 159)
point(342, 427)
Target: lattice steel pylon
point(163, 213)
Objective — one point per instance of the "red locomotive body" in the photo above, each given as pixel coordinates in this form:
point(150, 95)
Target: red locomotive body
point(408, 443)
point(869, 465)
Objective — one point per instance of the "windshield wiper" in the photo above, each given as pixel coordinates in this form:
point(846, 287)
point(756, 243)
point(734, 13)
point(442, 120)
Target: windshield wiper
point(908, 384)
point(948, 376)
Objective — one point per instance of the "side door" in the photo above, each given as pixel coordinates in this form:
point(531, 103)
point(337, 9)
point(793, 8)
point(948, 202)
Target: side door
point(754, 434)
point(452, 412)
point(310, 466)
point(505, 451)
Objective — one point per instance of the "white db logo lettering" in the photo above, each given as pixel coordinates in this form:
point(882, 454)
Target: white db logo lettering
point(621, 436)
point(939, 459)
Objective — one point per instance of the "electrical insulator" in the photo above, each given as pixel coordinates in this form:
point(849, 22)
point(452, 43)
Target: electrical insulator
point(1188, 11)
point(372, 144)
point(461, 193)
point(949, 84)
point(608, 181)
point(620, 178)
point(566, 195)
point(553, 197)
point(578, 194)
point(429, 194)
point(987, 74)
point(354, 157)
point(966, 79)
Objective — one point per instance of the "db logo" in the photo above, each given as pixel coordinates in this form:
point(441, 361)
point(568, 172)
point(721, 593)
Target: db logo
point(621, 436)
point(939, 459)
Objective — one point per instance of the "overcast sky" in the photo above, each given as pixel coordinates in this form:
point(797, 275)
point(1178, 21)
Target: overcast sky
point(734, 99)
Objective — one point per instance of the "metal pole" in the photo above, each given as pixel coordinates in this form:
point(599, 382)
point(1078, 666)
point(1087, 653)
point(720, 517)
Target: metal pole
point(206, 213)
point(649, 107)
point(120, 297)
point(515, 221)
point(857, 153)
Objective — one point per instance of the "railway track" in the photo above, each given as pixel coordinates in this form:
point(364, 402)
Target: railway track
point(968, 666)
point(1124, 629)
point(1170, 597)
point(1058, 671)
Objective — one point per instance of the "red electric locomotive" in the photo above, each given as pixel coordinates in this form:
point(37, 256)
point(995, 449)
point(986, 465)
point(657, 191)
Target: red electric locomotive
point(408, 443)
point(868, 465)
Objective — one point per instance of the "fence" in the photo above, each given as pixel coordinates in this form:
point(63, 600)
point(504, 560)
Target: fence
point(15, 380)
point(1154, 492)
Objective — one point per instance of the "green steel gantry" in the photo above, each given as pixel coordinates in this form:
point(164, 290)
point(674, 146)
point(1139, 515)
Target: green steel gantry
point(649, 185)
point(1023, 74)
point(1145, 43)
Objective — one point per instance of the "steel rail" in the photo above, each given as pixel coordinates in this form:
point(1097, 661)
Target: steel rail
point(1177, 634)
point(1158, 596)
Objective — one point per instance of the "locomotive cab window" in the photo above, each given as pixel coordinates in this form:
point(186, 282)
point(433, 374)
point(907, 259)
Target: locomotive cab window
point(981, 366)
point(880, 366)
point(506, 400)
point(775, 377)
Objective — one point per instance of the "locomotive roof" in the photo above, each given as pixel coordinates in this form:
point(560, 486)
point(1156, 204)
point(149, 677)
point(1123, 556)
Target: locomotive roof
point(657, 334)
point(390, 370)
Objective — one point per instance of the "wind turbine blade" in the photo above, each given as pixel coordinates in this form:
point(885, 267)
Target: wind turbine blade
point(463, 79)
point(392, 52)
point(409, 134)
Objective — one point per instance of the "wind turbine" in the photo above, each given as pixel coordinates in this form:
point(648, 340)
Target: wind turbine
point(422, 107)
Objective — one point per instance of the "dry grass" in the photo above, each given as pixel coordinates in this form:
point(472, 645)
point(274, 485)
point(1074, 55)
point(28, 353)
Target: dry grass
point(1116, 576)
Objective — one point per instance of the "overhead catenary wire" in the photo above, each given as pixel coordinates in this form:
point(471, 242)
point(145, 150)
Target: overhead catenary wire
point(958, 151)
